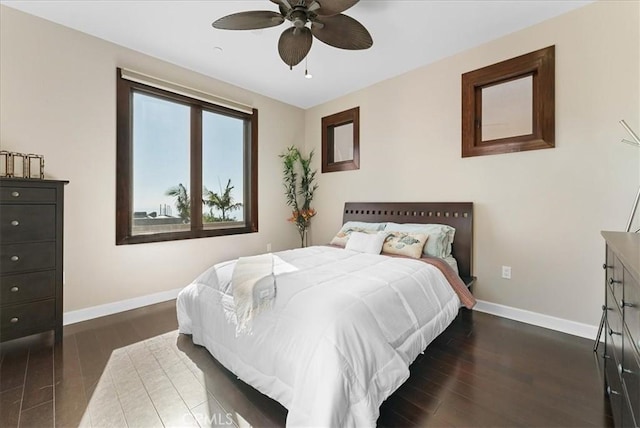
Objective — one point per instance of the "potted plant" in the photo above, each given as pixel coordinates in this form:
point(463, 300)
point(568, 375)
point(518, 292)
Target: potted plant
point(299, 194)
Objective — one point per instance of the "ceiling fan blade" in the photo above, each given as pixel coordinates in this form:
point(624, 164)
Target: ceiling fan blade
point(251, 20)
point(342, 31)
point(294, 45)
point(284, 4)
point(334, 7)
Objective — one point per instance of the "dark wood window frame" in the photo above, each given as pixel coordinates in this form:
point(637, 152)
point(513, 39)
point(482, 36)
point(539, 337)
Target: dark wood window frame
point(329, 123)
point(124, 165)
point(541, 66)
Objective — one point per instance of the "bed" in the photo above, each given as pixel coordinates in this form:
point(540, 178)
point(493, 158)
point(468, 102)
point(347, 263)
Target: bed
point(344, 326)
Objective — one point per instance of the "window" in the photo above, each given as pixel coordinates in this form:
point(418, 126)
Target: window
point(510, 106)
point(341, 141)
point(170, 143)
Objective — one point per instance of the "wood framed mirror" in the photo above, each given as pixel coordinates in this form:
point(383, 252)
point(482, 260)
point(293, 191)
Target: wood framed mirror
point(510, 106)
point(341, 141)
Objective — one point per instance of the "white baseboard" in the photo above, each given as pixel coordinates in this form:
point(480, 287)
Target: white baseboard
point(533, 318)
point(547, 321)
point(85, 314)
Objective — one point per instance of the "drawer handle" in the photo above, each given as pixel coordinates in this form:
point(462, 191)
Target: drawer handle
point(15, 223)
point(612, 391)
point(14, 289)
point(14, 320)
point(623, 370)
point(606, 266)
point(614, 281)
point(627, 304)
point(15, 258)
point(611, 333)
point(15, 194)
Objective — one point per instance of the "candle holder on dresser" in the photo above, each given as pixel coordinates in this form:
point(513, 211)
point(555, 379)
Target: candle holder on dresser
point(34, 166)
point(5, 158)
point(17, 165)
point(20, 165)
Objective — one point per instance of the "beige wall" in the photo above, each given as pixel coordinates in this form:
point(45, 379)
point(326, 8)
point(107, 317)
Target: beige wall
point(539, 212)
point(57, 98)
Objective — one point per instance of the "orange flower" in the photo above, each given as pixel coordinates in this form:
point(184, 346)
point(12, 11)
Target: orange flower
point(294, 217)
point(307, 214)
point(302, 216)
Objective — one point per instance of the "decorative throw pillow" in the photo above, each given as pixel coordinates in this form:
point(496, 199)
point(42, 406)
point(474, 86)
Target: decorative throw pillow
point(370, 243)
point(440, 236)
point(342, 236)
point(405, 244)
point(366, 225)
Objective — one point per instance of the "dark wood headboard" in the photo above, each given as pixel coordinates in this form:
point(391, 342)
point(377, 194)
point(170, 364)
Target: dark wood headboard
point(456, 214)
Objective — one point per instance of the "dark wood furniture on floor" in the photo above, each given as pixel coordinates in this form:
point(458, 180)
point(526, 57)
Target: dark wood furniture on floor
point(622, 341)
point(481, 371)
point(31, 225)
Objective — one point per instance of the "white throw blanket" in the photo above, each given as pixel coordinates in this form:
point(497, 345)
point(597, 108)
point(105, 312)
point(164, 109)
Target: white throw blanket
point(254, 289)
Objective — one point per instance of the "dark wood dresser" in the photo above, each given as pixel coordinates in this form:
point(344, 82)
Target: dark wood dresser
point(622, 339)
point(31, 224)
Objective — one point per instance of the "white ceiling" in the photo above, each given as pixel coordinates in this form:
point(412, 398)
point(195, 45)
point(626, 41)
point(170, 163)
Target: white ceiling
point(406, 34)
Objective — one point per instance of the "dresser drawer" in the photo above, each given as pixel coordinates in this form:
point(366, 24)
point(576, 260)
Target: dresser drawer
point(16, 258)
point(632, 308)
point(27, 287)
point(614, 327)
point(21, 223)
point(630, 371)
point(27, 194)
point(18, 320)
point(615, 278)
point(614, 390)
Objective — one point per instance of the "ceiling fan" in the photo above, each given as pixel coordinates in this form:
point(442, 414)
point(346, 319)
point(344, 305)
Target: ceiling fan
point(326, 22)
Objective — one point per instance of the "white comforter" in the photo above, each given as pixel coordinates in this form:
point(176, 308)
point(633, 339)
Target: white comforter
point(339, 339)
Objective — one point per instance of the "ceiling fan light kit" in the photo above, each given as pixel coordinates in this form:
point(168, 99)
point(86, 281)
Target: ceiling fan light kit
point(322, 19)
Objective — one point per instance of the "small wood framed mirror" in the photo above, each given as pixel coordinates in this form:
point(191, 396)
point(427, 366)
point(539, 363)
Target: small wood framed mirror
point(341, 141)
point(510, 106)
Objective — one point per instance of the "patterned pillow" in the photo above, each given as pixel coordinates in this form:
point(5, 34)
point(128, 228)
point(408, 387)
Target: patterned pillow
point(440, 236)
point(342, 236)
point(405, 244)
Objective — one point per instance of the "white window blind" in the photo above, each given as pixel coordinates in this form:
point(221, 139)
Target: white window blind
point(156, 82)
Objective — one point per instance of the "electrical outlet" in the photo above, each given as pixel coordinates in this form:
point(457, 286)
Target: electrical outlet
point(506, 272)
point(269, 247)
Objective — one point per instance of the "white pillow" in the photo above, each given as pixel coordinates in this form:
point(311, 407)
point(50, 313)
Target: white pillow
point(370, 243)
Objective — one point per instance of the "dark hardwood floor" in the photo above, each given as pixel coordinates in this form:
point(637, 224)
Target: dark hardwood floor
point(133, 369)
